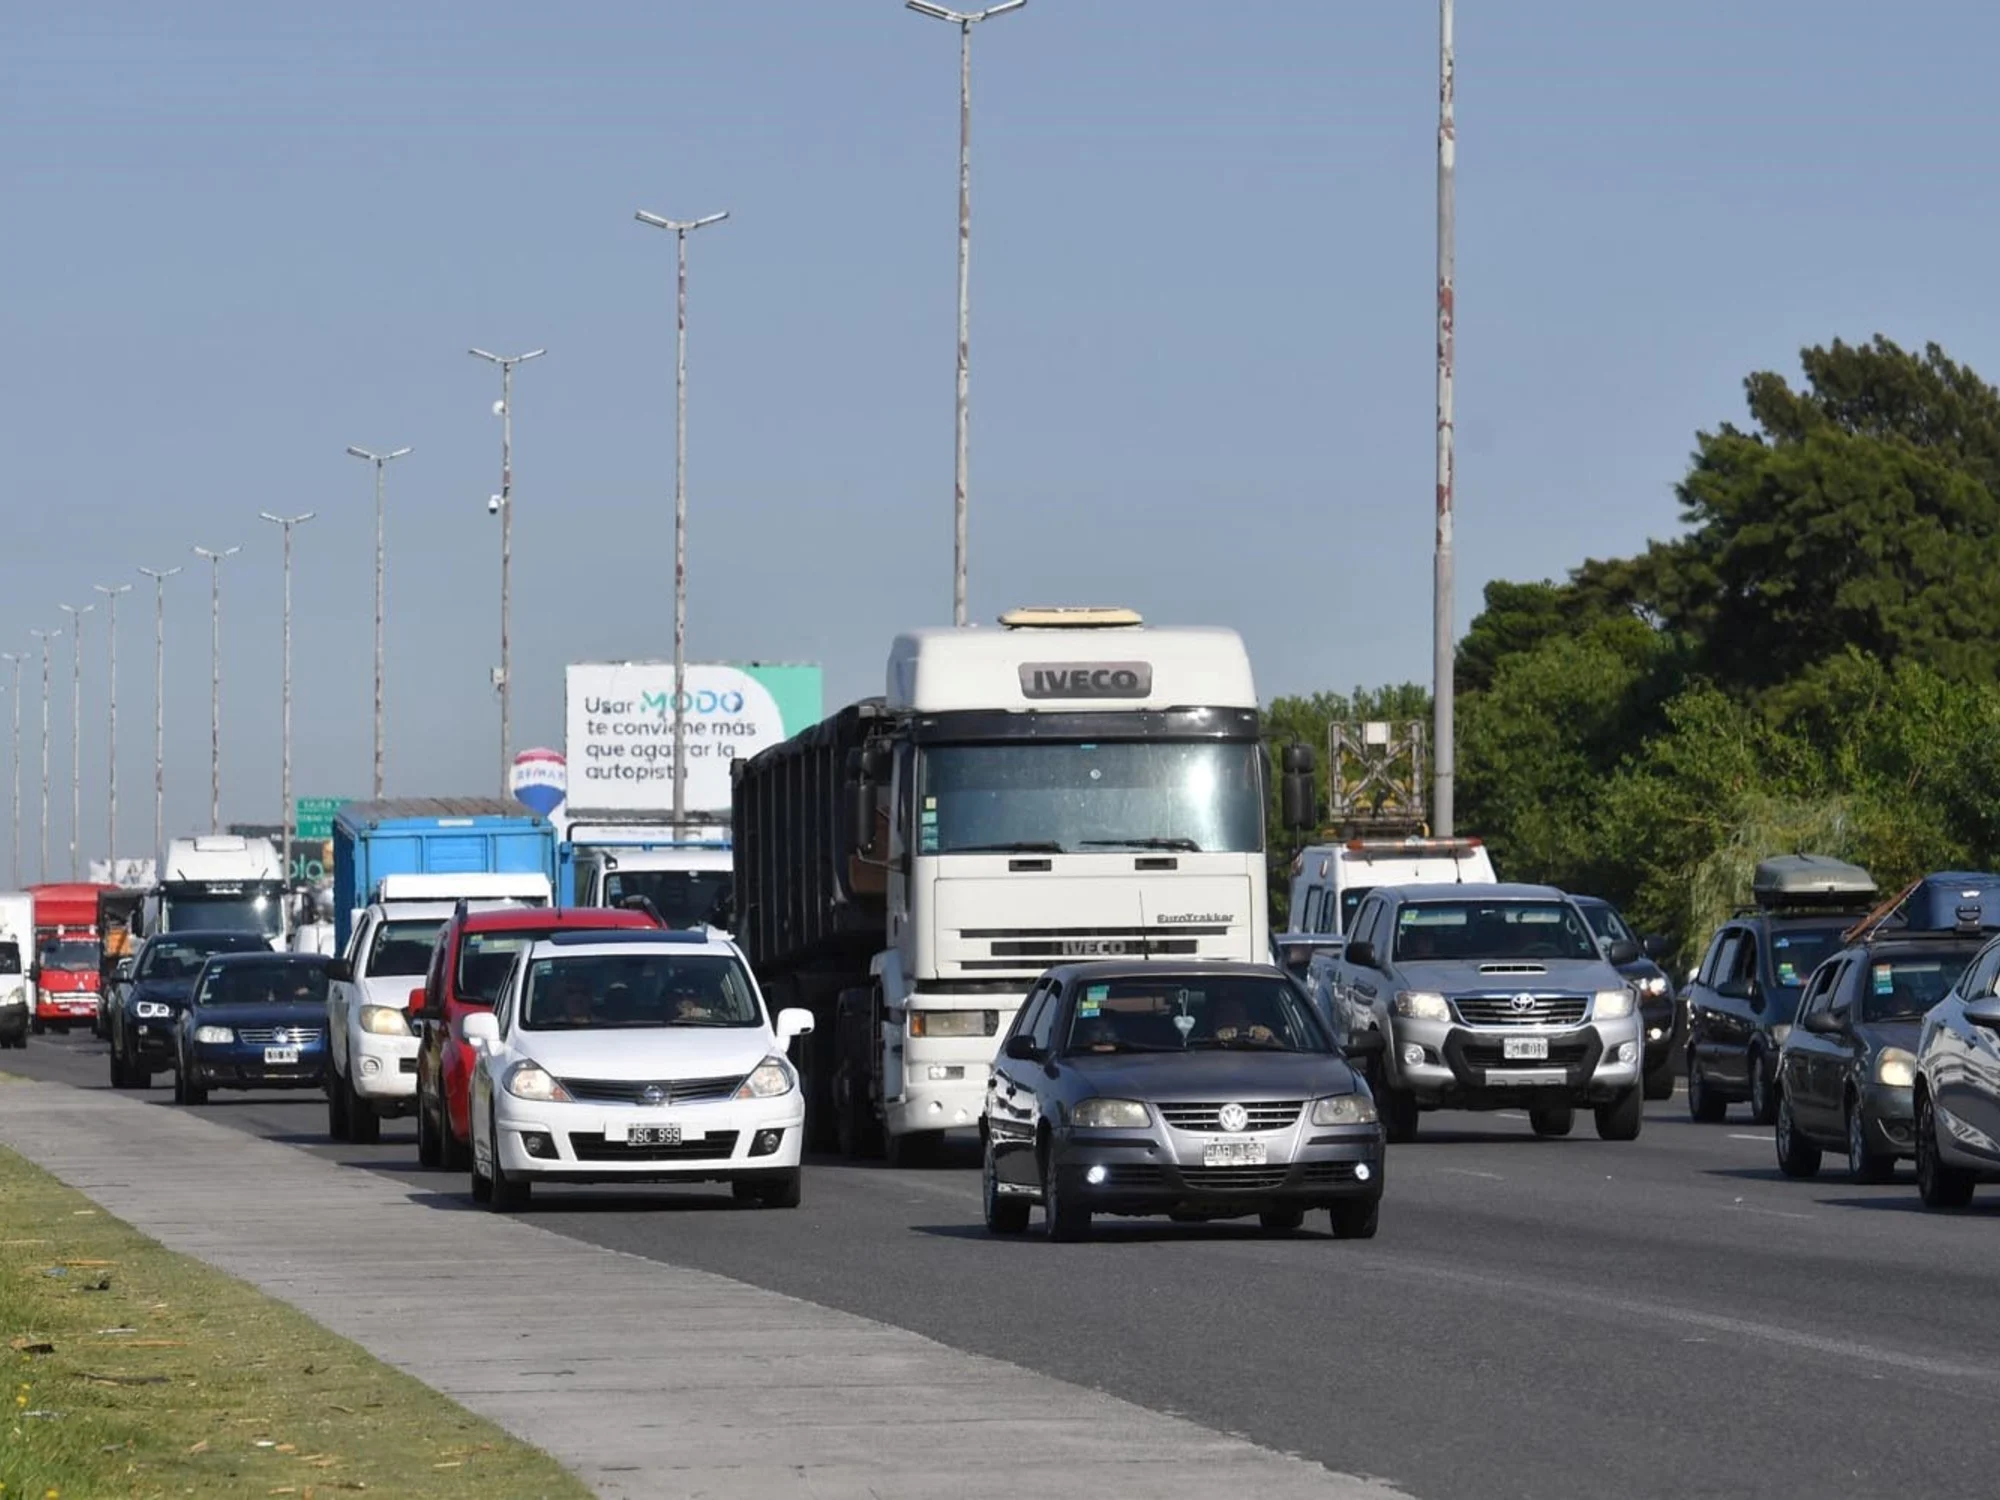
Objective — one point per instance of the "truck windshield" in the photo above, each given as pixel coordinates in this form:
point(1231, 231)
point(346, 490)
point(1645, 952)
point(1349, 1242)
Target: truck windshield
point(70, 955)
point(683, 898)
point(242, 909)
point(1454, 930)
point(1194, 796)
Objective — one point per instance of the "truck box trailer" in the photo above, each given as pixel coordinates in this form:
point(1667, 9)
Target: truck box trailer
point(431, 836)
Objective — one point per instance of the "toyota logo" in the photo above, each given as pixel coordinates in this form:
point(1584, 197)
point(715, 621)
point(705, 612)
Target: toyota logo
point(1232, 1117)
point(652, 1093)
point(1522, 1004)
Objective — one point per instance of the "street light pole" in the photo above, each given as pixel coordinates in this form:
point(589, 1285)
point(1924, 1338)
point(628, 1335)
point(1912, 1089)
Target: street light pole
point(681, 229)
point(76, 613)
point(215, 559)
point(160, 577)
point(504, 504)
point(965, 21)
point(379, 460)
point(285, 776)
point(1443, 686)
point(15, 658)
point(45, 636)
point(111, 593)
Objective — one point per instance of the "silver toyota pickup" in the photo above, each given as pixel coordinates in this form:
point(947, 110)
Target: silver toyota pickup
point(1489, 997)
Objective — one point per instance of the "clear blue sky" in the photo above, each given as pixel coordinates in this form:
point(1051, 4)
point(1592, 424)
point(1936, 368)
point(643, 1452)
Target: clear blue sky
point(241, 237)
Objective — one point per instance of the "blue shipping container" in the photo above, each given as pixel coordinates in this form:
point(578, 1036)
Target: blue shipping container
point(431, 836)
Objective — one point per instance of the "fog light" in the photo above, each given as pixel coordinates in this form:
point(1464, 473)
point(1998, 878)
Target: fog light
point(370, 1066)
point(536, 1144)
point(766, 1142)
point(1095, 1176)
point(941, 1072)
point(1628, 1052)
point(1654, 1034)
point(1361, 1172)
point(1412, 1055)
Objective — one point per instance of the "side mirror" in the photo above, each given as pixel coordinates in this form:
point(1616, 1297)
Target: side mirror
point(794, 1021)
point(1362, 955)
point(1365, 1043)
point(1022, 1049)
point(1620, 953)
point(481, 1029)
point(123, 970)
point(1736, 989)
point(420, 1002)
point(1653, 947)
point(863, 793)
point(1984, 1013)
point(340, 971)
point(1825, 1023)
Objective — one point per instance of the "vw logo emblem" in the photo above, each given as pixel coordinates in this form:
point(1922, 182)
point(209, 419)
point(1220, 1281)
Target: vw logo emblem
point(1232, 1117)
point(1522, 1004)
point(281, 1036)
point(652, 1093)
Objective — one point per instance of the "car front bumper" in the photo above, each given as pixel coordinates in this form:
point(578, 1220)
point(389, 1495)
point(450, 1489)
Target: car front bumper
point(383, 1070)
point(1465, 1067)
point(590, 1142)
point(241, 1066)
point(1888, 1116)
point(151, 1042)
point(1161, 1170)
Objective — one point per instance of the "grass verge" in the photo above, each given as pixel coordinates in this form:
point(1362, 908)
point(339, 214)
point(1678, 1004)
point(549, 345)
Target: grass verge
point(133, 1371)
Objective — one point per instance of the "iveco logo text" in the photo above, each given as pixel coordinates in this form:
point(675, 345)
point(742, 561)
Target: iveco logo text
point(1095, 947)
point(1086, 679)
point(1192, 918)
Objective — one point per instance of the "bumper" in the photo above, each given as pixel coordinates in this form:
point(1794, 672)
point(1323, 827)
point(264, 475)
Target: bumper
point(1888, 1116)
point(383, 1070)
point(1160, 1171)
point(942, 1103)
point(587, 1142)
point(1463, 1067)
point(65, 1009)
point(237, 1067)
point(151, 1043)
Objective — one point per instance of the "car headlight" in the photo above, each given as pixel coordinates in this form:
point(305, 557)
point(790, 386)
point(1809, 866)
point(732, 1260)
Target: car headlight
point(531, 1081)
point(1344, 1109)
point(769, 1079)
point(1654, 984)
point(151, 1010)
point(1611, 1005)
point(1896, 1068)
point(221, 1036)
point(1111, 1114)
point(1422, 1005)
point(384, 1020)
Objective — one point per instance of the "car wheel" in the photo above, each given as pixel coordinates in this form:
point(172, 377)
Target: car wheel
point(336, 1104)
point(1357, 1220)
point(37, 1026)
point(1063, 1221)
point(364, 1126)
point(1704, 1107)
point(917, 1148)
point(429, 1152)
point(1660, 1082)
point(1004, 1215)
point(1763, 1092)
point(1864, 1162)
point(1939, 1184)
point(482, 1185)
point(1797, 1156)
point(1282, 1220)
point(1399, 1113)
point(768, 1192)
point(1623, 1117)
point(457, 1153)
point(117, 1069)
point(508, 1195)
point(1552, 1119)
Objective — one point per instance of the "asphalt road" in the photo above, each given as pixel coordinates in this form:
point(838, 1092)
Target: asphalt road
point(1537, 1318)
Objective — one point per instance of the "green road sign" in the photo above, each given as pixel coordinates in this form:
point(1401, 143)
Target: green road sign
point(314, 817)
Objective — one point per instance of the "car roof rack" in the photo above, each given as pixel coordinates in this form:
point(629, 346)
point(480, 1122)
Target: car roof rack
point(593, 937)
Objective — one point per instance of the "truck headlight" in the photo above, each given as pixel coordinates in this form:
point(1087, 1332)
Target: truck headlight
point(769, 1079)
point(151, 1010)
point(220, 1036)
point(1422, 1005)
point(384, 1020)
point(1344, 1109)
point(1896, 1068)
point(533, 1082)
point(954, 1022)
point(1111, 1114)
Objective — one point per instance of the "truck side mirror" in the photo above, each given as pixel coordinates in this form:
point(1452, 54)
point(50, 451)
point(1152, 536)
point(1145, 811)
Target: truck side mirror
point(1299, 800)
point(863, 793)
point(123, 970)
point(1298, 760)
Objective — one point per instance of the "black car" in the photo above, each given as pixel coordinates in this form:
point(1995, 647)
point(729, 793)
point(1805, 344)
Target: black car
point(1847, 1070)
point(1211, 1091)
point(1658, 1007)
point(256, 1021)
point(1744, 996)
point(143, 1023)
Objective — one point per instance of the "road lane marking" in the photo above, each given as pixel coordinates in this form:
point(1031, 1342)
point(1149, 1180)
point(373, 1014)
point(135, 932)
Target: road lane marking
point(1735, 1135)
point(1468, 1172)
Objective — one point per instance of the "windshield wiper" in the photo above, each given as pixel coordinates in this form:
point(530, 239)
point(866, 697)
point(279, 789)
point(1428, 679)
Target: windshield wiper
point(1017, 846)
point(1183, 845)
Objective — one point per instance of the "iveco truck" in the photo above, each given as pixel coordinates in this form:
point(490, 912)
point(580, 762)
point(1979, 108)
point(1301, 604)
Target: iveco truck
point(1073, 785)
point(217, 881)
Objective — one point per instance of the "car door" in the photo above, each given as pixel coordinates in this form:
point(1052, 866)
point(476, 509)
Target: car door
point(1732, 1018)
point(1357, 989)
point(1846, 1058)
point(1972, 1094)
point(340, 1001)
point(1810, 1061)
point(1010, 1095)
point(1945, 1050)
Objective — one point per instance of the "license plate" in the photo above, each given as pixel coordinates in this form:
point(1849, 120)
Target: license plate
point(1233, 1154)
point(1524, 1048)
point(275, 1056)
point(654, 1135)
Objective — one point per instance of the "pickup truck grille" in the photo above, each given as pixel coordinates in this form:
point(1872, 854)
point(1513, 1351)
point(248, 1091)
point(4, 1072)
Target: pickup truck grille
point(1270, 1115)
point(672, 1091)
point(1500, 1010)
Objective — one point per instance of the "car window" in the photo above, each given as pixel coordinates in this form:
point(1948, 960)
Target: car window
point(402, 949)
point(1606, 923)
point(1820, 991)
point(1364, 921)
point(1187, 1013)
point(1743, 963)
point(1045, 1018)
point(1308, 920)
point(1350, 899)
point(264, 984)
point(10, 958)
point(485, 959)
point(1715, 963)
point(637, 991)
point(1977, 982)
point(1796, 952)
point(1461, 929)
point(1902, 986)
point(1024, 1018)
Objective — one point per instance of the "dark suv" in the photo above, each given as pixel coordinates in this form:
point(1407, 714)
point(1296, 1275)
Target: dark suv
point(1745, 996)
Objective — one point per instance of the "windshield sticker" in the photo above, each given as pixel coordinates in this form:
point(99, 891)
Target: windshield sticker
point(1098, 992)
point(1788, 975)
point(1088, 1007)
point(927, 827)
point(1885, 980)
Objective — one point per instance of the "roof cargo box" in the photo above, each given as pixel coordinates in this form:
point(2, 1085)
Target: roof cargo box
point(1814, 880)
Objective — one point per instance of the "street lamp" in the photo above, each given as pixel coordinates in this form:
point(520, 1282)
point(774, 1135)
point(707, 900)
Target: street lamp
point(45, 636)
point(965, 21)
point(1443, 666)
point(681, 229)
point(160, 577)
point(503, 504)
point(15, 658)
point(215, 558)
point(285, 788)
point(379, 460)
point(111, 593)
point(76, 612)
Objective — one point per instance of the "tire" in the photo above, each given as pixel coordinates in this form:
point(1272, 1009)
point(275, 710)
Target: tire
point(38, 1026)
point(1399, 1114)
point(430, 1150)
point(1797, 1156)
point(505, 1195)
point(1763, 1092)
point(186, 1090)
point(1660, 1082)
point(457, 1153)
point(1939, 1184)
point(482, 1187)
point(1004, 1215)
point(1063, 1221)
point(1552, 1119)
point(336, 1104)
point(1282, 1220)
point(1357, 1220)
point(917, 1148)
point(364, 1126)
point(1704, 1108)
point(119, 1077)
point(1623, 1117)
point(1864, 1163)
point(857, 1132)
point(768, 1192)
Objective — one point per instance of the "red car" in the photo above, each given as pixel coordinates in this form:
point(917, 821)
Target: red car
point(474, 955)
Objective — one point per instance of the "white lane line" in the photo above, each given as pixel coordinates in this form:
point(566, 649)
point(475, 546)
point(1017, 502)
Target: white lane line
point(1769, 1213)
point(1512, 1114)
point(1468, 1172)
point(1735, 1135)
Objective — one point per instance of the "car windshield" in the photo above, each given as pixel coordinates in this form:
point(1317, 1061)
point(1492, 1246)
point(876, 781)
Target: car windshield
point(598, 991)
point(1606, 923)
point(1795, 954)
point(73, 955)
point(182, 958)
point(1192, 1013)
point(253, 910)
point(1350, 902)
point(1065, 798)
point(683, 898)
point(1902, 986)
point(1454, 930)
point(264, 984)
point(402, 950)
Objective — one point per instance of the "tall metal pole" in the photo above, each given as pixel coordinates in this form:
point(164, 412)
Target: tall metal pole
point(286, 817)
point(111, 593)
point(965, 21)
point(76, 614)
point(681, 228)
point(14, 844)
point(215, 559)
point(160, 577)
point(504, 501)
point(1443, 688)
point(45, 636)
point(380, 460)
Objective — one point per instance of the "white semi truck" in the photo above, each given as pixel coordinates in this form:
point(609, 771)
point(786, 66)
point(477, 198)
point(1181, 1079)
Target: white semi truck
point(218, 881)
point(1073, 785)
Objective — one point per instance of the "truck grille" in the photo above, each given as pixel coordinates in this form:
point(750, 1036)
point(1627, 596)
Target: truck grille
point(1036, 948)
point(1270, 1115)
point(266, 1036)
point(592, 1146)
point(672, 1091)
point(1499, 1010)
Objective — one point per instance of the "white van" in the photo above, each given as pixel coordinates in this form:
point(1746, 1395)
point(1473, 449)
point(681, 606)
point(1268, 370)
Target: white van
point(1329, 880)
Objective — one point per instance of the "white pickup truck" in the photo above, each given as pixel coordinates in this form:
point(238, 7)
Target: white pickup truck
point(371, 1069)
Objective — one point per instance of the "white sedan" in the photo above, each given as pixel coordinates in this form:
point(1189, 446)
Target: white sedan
point(634, 1056)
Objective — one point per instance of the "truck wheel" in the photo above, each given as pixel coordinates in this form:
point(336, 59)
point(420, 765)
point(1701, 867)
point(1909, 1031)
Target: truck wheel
point(916, 1148)
point(1763, 1092)
point(1004, 1215)
point(1552, 1119)
point(1357, 1220)
point(38, 1025)
point(1621, 1118)
point(336, 1104)
point(1797, 1156)
point(857, 1131)
point(1704, 1107)
point(1660, 1082)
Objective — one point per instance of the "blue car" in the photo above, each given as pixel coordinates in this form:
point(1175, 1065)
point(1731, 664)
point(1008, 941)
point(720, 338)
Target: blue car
point(256, 1021)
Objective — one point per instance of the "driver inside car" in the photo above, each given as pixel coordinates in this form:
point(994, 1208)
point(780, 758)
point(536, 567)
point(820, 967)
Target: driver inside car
point(1233, 1023)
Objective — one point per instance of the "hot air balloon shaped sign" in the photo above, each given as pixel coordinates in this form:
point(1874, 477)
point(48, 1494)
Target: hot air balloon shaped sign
point(540, 780)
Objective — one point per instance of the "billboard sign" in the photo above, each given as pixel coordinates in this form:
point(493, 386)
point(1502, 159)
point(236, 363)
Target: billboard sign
point(539, 780)
point(131, 874)
point(619, 723)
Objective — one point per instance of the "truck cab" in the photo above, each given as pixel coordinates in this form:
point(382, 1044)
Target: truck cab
point(63, 973)
point(1329, 880)
point(688, 881)
point(218, 882)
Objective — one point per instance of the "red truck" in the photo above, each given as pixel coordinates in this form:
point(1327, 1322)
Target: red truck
point(67, 951)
